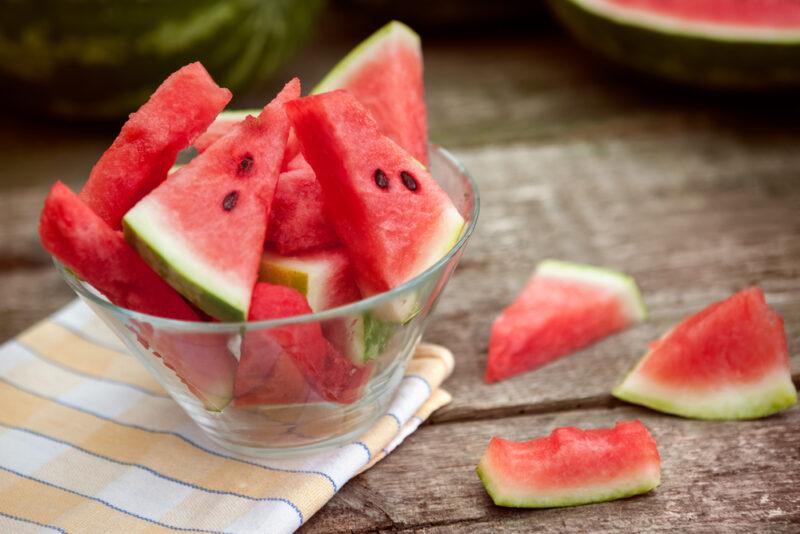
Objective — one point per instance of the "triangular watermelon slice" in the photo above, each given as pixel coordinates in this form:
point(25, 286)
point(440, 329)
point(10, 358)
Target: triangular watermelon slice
point(564, 306)
point(728, 361)
point(138, 160)
point(385, 207)
point(571, 467)
point(279, 364)
point(384, 73)
point(203, 229)
point(74, 234)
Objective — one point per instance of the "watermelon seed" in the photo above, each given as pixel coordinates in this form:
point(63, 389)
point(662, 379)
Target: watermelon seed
point(381, 179)
point(245, 166)
point(229, 202)
point(408, 180)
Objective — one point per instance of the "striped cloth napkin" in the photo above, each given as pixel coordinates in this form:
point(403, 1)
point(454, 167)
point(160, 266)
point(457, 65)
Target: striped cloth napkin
point(89, 442)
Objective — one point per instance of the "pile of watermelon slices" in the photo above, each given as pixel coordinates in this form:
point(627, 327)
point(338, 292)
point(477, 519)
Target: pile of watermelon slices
point(305, 205)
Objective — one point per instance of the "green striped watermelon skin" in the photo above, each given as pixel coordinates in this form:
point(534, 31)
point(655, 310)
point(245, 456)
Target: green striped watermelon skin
point(687, 57)
point(98, 59)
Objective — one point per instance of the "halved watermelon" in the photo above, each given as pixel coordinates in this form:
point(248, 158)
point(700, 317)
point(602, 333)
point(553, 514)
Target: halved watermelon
point(265, 376)
point(76, 235)
point(384, 73)
point(385, 207)
point(564, 307)
point(203, 229)
point(571, 467)
point(717, 43)
point(138, 160)
point(297, 220)
point(728, 361)
point(326, 279)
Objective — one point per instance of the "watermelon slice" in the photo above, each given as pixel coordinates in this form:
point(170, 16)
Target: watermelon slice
point(384, 73)
point(279, 364)
point(76, 235)
point(297, 221)
point(326, 279)
point(718, 43)
point(138, 160)
point(729, 361)
point(388, 211)
point(571, 467)
point(203, 229)
point(564, 307)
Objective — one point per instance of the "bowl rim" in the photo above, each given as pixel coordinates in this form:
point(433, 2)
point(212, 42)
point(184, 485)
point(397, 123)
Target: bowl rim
point(358, 306)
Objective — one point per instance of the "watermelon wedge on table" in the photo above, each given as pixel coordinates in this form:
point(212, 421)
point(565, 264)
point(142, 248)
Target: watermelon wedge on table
point(280, 364)
point(183, 106)
point(388, 211)
point(203, 229)
point(571, 467)
point(564, 306)
point(384, 73)
point(728, 361)
point(74, 234)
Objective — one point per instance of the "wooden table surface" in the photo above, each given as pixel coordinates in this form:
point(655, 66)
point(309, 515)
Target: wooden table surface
point(695, 195)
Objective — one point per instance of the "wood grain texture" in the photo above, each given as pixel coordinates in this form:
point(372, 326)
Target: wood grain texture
point(696, 195)
point(716, 477)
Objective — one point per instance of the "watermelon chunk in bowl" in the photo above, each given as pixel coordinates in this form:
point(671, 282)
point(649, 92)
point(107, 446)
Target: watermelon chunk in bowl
point(318, 414)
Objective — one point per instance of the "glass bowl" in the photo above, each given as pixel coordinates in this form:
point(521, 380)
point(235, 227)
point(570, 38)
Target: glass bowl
point(262, 404)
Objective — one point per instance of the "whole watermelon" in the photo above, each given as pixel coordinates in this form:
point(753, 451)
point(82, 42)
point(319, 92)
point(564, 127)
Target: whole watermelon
point(100, 59)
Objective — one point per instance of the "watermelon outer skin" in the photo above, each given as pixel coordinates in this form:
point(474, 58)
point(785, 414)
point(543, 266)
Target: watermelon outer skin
point(384, 73)
point(715, 59)
point(208, 253)
point(391, 234)
point(685, 371)
point(74, 234)
point(90, 59)
point(183, 106)
point(571, 467)
point(564, 306)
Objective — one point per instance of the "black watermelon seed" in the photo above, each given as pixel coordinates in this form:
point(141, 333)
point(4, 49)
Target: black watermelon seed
point(381, 180)
point(245, 166)
point(408, 180)
point(229, 202)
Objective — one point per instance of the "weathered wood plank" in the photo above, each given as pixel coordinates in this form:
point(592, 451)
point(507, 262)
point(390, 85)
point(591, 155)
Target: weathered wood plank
point(717, 477)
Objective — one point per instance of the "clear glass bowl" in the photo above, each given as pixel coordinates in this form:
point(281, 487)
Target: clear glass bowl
point(257, 401)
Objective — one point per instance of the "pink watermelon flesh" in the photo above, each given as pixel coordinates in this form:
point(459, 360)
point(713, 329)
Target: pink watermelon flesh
point(756, 13)
point(203, 229)
point(74, 234)
point(297, 221)
point(384, 73)
point(550, 318)
point(138, 160)
point(729, 361)
point(392, 231)
point(278, 365)
point(571, 467)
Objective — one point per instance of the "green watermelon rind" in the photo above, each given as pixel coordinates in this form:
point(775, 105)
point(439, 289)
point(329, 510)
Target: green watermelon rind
point(352, 61)
point(151, 240)
point(624, 285)
point(694, 53)
point(612, 492)
point(774, 393)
